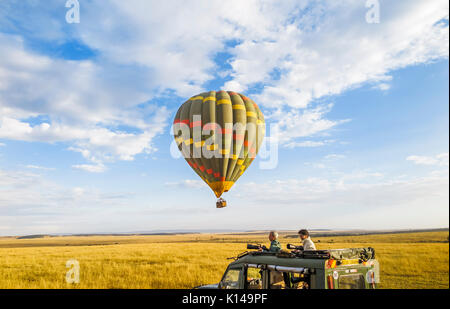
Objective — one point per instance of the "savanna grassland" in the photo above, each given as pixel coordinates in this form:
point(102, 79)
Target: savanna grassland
point(407, 260)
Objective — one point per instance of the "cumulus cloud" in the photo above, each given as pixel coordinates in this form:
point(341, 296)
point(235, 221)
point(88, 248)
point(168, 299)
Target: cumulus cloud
point(187, 183)
point(331, 57)
point(80, 103)
point(318, 54)
point(288, 56)
point(305, 144)
point(175, 42)
point(303, 123)
point(90, 168)
point(37, 167)
point(334, 156)
point(437, 160)
point(382, 86)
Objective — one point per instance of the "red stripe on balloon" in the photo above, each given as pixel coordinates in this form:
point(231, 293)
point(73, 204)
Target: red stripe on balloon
point(196, 124)
point(211, 126)
point(186, 121)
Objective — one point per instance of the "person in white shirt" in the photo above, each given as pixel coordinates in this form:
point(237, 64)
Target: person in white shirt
point(308, 244)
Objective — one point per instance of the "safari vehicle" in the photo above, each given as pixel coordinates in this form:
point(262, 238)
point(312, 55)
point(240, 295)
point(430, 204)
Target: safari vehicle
point(352, 268)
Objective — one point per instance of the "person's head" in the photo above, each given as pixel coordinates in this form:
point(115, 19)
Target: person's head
point(273, 235)
point(303, 234)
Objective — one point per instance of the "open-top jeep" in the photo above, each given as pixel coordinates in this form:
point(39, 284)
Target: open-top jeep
point(352, 268)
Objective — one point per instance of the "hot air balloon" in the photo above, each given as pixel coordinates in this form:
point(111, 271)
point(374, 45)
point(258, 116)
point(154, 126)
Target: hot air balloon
point(219, 134)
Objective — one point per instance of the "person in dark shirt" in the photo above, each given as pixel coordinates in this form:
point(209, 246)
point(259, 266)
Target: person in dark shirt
point(275, 245)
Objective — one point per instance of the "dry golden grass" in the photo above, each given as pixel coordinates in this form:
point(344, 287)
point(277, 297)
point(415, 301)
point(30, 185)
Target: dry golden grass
point(410, 260)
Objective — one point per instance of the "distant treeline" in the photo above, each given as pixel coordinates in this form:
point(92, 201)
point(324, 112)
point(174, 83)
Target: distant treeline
point(335, 234)
point(32, 236)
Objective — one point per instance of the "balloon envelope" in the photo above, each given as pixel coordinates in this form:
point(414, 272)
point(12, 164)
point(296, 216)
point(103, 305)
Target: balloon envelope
point(219, 135)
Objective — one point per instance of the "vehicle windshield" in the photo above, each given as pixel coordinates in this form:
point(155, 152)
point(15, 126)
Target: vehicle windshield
point(231, 279)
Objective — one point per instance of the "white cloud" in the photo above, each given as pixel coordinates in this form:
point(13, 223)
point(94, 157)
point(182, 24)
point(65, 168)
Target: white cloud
point(157, 36)
point(303, 123)
point(329, 48)
point(319, 165)
point(335, 156)
point(382, 86)
point(295, 52)
point(310, 143)
point(83, 105)
point(37, 167)
point(335, 56)
point(188, 183)
point(328, 160)
point(100, 168)
point(437, 160)
point(305, 144)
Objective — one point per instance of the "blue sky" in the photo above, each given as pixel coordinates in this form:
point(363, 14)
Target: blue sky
point(86, 108)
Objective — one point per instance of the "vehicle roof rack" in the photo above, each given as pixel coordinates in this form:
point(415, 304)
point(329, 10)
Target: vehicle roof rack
point(363, 254)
